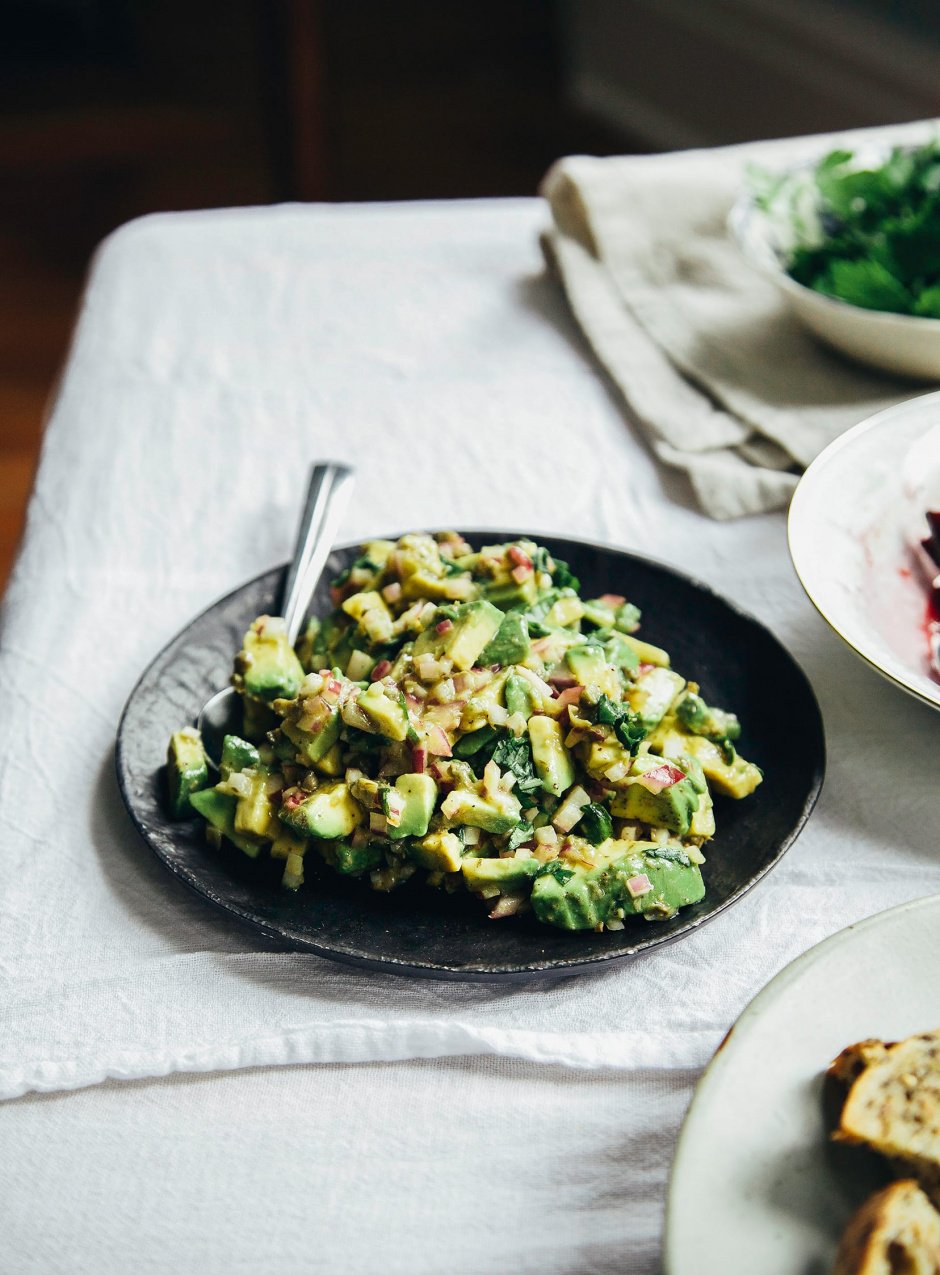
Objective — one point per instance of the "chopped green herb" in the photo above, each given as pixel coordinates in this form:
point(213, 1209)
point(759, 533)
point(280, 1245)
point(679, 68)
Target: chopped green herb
point(522, 833)
point(669, 854)
point(555, 869)
point(627, 725)
point(868, 234)
point(564, 577)
point(516, 755)
point(596, 824)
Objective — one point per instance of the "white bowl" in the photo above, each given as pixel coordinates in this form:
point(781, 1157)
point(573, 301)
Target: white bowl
point(902, 344)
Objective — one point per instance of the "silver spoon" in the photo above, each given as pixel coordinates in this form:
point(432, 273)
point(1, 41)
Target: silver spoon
point(328, 494)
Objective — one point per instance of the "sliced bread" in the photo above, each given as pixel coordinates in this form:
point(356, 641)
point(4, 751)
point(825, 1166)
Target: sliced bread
point(893, 1106)
point(895, 1232)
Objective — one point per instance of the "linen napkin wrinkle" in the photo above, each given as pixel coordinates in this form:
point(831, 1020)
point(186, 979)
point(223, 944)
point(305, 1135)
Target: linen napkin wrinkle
point(727, 384)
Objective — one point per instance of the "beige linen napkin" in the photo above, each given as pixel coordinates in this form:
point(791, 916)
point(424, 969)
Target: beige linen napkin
point(727, 384)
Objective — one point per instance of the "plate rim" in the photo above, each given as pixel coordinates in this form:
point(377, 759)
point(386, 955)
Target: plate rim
point(802, 494)
point(740, 1031)
point(548, 967)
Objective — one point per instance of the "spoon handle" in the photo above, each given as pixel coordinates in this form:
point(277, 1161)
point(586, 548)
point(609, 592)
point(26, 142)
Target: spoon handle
point(328, 493)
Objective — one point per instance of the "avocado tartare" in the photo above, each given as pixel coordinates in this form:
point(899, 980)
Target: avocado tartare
point(468, 718)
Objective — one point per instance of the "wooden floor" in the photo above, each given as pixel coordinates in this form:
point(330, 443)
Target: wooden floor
point(37, 304)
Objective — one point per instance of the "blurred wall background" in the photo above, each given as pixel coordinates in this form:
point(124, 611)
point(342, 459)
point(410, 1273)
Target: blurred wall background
point(114, 108)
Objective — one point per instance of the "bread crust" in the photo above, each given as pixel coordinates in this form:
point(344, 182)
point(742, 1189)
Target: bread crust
point(895, 1230)
point(893, 1104)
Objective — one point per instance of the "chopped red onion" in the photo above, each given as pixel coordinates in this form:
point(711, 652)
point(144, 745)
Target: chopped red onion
point(438, 743)
point(660, 777)
point(562, 679)
point(571, 695)
point(639, 885)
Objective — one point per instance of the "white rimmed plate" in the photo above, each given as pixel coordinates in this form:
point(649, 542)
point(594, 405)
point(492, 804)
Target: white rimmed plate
point(852, 519)
point(753, 1186)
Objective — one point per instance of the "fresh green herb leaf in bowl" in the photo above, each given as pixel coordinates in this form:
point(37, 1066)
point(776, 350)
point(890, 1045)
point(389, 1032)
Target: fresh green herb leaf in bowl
point(863, 231)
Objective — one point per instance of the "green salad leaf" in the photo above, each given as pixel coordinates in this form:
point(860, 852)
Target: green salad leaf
point(867, 234)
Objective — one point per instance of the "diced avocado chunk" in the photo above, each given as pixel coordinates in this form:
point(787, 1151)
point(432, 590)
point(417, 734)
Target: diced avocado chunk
point(519, 695)
point(702, 823)
point(497, 814)
point(645, 652)
point(291, 849)
point(565, 610)
point(735, 778)
point(218, 809)
point(350, 860)
point(314, 745)
point(675, 880)
point(697, 717)
point(511, 643)
point(578, 901)
point(476, 627)
point(553, 763)
point(286, 842)
point(652, 694)
point(438, 852)
point(507, 874)
point(360, 666)
point(606, 615)
point(692, 768)
point(577, 897)
point(292, 878)
point(620, 654)
point(589, 665)
point(331, 812)
point(187, 770)
point(373, 617)
point(602, 756)
point(267, 666)
point(513, 594)
point(331, 763)
point(254, 812)
point(424, 585)
point(671, 807)
point(599, 613)
point(386, 710)
point(237, 754)
point(473, 625)
point(411, 804)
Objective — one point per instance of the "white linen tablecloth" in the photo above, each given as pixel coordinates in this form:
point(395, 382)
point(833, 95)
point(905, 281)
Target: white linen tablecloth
point(216, 355)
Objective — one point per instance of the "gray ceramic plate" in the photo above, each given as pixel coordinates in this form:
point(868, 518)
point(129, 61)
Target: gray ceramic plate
point(421, 931)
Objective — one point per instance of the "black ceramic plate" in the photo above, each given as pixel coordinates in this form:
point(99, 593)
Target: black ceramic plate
point(420, 931)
